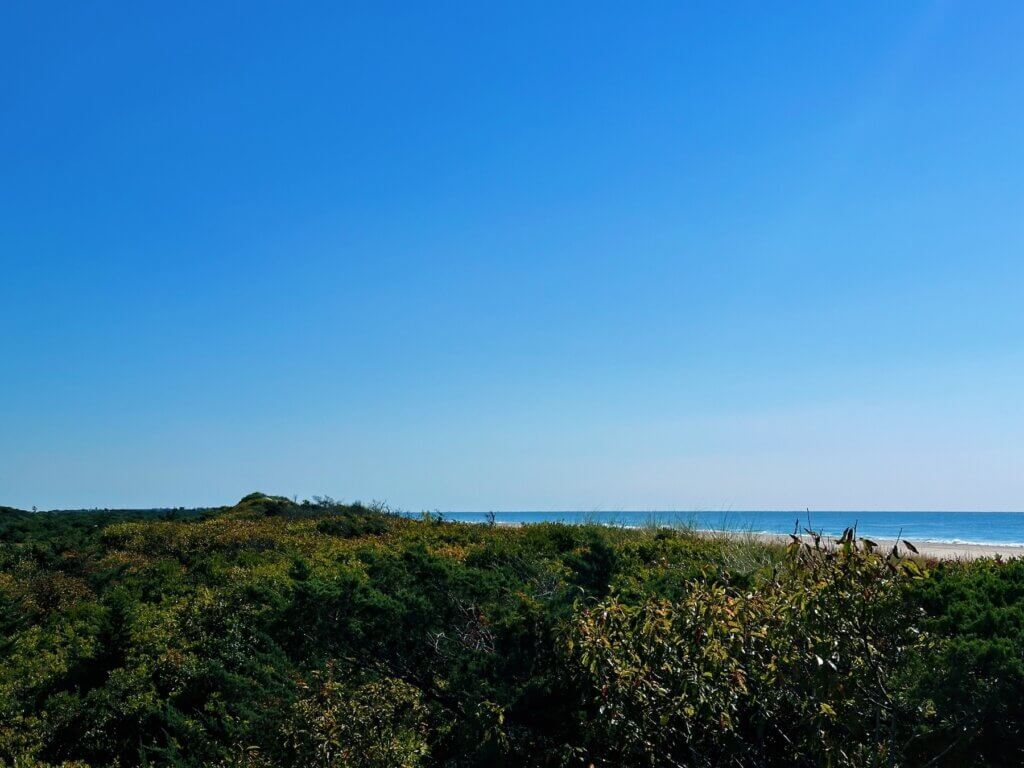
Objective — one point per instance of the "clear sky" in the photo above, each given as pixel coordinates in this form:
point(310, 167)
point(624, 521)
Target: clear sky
point(513, 256)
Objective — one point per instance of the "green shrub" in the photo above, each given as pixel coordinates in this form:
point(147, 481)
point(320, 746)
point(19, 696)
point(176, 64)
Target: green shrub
point(334, 724)
point(797, 669)
point(283, 634)
point(971, 677)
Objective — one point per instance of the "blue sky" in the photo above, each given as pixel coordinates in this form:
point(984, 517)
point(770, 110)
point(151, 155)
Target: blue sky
point(516, 256)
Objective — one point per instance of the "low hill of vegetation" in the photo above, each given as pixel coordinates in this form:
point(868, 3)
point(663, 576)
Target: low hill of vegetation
point(273, 633)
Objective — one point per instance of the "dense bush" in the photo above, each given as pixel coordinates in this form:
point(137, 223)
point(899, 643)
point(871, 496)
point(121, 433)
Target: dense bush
point(796, 670)
point(971, 679)
point(275, 633)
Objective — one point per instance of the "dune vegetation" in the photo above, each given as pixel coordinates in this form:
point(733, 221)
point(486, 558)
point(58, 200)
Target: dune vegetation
point(275, 633)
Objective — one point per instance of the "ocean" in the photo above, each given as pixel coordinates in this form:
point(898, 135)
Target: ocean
point(945, 527)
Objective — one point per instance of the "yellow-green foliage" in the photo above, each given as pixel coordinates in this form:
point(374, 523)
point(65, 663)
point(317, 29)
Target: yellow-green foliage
point(798, 664)
point(377, 724)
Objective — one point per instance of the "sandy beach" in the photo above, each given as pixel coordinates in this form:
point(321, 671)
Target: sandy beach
point(937, 550)
point(933, 549)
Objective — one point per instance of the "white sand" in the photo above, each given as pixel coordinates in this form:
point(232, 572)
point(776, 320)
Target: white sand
point(938, 550)
point(933, 549)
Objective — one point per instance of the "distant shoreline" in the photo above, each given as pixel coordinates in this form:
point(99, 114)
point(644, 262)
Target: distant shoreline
point(939, 550)
point(935, 534)
point(933, 549)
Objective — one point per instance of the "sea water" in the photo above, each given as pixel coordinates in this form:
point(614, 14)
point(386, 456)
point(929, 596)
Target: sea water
point(949, 527)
